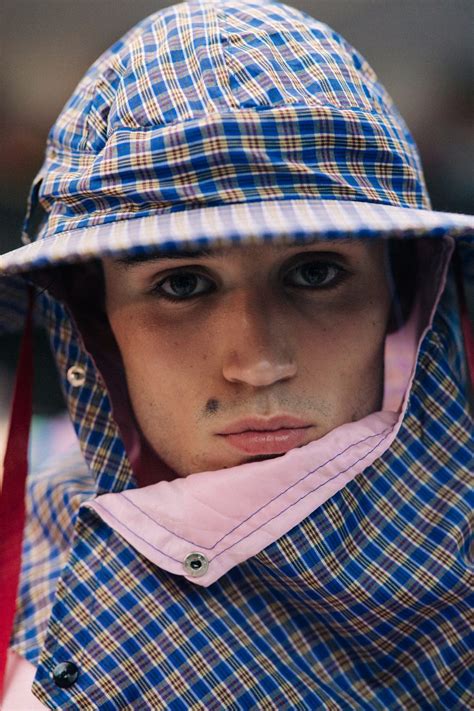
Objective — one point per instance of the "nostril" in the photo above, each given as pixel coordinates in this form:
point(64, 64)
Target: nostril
point(261, 373)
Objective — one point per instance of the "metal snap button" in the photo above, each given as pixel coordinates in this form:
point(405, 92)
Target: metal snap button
point(76, 375)
point(65, 674)
point(196, 564)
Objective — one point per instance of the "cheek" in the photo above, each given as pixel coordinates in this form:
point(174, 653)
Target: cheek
point(358, 326)
point(342, 358)
point(163, 363)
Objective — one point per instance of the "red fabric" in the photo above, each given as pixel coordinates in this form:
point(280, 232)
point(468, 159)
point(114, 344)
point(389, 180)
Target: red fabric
point(466, 325)
point(12, 497)
point(468, 340)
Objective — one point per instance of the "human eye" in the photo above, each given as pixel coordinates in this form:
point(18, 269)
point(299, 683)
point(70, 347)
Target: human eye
point(315, 274)
point(182, 286)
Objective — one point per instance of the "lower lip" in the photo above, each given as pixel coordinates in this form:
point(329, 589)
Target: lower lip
point(268, 441)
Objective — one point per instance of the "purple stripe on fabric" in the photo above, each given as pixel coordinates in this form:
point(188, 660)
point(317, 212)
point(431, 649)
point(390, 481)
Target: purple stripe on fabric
point(270, 501)
point(197, 545)
point(106, 510)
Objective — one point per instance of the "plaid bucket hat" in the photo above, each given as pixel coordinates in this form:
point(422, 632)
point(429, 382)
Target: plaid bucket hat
point(216, 121)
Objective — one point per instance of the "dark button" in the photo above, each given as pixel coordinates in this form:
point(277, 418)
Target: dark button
point(65, 674)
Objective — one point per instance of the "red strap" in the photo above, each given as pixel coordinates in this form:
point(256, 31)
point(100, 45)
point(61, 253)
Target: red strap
point(12, 497)
point(468, 340)
point(466, 325)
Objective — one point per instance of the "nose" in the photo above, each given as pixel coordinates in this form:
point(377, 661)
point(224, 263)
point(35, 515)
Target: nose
point(256, 348)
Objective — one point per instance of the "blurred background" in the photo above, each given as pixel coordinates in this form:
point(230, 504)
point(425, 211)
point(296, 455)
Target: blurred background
point(422, 51)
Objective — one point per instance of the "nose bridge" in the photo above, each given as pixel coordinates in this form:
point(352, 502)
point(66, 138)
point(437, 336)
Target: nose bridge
point(256, 351)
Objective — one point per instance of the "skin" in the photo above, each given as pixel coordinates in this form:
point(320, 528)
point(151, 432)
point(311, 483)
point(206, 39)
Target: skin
point(258, 330)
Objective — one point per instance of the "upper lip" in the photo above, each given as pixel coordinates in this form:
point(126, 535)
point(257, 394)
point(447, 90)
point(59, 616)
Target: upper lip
point(259, 424)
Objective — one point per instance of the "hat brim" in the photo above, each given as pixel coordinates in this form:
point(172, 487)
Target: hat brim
point(236, 223)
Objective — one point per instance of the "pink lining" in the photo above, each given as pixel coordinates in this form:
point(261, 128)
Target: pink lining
point(400, 355)
point(19, 677)
point(169, 520)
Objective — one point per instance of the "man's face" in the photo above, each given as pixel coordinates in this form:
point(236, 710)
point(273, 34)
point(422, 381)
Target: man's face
point(241, 354)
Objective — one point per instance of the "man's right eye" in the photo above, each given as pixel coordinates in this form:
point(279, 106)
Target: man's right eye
point(182, 286)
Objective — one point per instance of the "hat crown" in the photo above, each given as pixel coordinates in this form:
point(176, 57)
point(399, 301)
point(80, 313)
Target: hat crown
point(209, 104)
point(203, 57)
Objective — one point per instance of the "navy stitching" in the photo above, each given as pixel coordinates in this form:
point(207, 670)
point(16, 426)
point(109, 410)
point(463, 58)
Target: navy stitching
point(387, 432)
point(100, 506)
point(303, 497)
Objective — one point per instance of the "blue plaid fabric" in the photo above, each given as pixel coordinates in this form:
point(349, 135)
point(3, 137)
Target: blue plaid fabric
point(222, 121)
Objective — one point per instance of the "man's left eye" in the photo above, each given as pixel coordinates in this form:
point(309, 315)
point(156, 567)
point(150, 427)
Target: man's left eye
point(314, 275)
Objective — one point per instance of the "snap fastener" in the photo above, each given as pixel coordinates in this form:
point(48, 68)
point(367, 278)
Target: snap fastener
point(76, 375)
point(196, 564)
point(65, 674)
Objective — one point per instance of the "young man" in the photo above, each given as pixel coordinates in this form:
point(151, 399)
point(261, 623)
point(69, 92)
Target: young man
point(243, 280)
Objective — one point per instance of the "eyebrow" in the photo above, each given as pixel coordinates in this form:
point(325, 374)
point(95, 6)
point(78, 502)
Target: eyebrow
point(132, 260)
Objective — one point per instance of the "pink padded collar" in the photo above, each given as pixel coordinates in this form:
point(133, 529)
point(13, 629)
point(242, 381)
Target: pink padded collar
point(230, 515)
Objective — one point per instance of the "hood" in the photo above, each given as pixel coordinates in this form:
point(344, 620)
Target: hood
point(249, 139)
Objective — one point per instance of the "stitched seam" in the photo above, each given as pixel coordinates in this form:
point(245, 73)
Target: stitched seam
point(267, 503)
point(208, 548)
point(303, 497)
point(99, 506)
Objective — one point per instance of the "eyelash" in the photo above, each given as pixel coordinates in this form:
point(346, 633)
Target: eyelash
point(341, 274)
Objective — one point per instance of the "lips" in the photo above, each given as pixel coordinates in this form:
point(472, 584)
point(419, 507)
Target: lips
point(259, 424)
point(274, 435)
